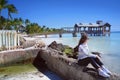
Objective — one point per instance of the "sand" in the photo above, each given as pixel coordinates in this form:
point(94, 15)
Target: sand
point(35, 75)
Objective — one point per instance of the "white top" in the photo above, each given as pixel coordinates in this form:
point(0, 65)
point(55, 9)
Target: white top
point(83, 52)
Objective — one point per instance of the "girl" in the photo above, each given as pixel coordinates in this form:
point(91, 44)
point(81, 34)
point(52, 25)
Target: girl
point(84, 58)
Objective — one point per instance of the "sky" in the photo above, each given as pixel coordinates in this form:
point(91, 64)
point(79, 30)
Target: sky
point(65, 13)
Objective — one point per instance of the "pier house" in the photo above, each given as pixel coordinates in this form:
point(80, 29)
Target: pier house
point(96, 29)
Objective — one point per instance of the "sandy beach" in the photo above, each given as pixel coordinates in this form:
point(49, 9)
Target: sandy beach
point(26, 71)
point(26, 76)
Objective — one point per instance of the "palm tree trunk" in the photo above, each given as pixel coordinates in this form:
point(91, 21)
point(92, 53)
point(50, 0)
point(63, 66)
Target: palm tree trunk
point(0, 13)
point(9, 16)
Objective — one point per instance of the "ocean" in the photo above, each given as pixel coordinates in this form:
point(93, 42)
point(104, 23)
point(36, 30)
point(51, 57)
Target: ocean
point(109, 47)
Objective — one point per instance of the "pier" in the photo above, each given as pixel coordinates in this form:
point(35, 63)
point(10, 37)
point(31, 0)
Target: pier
point(92, 29)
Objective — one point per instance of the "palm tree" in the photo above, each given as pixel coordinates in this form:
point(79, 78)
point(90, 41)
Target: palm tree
point(27, 22)
point(2, 22)
point(9, 24)
point(3, 5)
point(16, 23)
point(21, 21)
point(11, 9)
point(43, 28)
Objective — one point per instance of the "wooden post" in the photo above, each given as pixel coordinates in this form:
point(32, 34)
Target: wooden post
point(91, 31)
point(84, 29)
point(45, 35)
point(96, 32)
point(109, 30)
point(80, 29)
point(103, 30)
point(74, 34)
point(60, 35)
point(100, 31)
point(75, 30)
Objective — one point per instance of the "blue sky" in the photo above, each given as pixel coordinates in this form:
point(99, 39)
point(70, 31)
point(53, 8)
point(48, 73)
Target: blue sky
point(65, 13)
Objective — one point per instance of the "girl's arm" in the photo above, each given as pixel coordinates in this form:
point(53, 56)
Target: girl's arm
point(86, 52)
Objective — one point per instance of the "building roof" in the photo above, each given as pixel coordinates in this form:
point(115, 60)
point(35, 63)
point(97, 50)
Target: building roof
point(88, 25)
point(91, 24)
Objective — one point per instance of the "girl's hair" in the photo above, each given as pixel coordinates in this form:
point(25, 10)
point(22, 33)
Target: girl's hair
point(82, 40)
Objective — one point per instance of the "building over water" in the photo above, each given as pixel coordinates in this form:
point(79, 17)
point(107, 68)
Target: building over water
point(96, 29)
point(9, 39)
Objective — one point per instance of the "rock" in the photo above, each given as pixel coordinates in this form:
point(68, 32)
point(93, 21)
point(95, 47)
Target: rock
point(56, 46)
point(28, 43)
point(22, 40)
point(39, 44)
point(39, 63)
point(62, 48)
point(68, 67)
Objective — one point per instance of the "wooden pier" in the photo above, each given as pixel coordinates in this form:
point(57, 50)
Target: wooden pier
point(93, 29)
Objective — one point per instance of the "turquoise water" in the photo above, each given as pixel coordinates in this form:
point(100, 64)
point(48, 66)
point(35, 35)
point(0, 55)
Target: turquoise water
point(108, 46)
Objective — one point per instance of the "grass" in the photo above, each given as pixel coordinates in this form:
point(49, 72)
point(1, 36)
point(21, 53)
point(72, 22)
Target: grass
point(16, 69)
point(68, 51)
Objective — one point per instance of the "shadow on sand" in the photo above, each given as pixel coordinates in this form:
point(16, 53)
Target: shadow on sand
point(39, 63)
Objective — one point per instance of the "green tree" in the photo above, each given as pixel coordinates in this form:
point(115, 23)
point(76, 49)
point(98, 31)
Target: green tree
point(27, 22)
point(11, 9)
point(9, 24)
point(33, 28)
point(17, 22)
point(43, 28)
point(3, 5)
point(2, 22)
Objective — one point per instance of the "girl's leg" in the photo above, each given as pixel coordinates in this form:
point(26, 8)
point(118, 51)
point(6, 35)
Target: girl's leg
point(98, 61)
point(86, 61)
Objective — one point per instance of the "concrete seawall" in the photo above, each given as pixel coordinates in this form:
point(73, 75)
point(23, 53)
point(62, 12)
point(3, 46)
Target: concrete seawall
point(60, 64)
point(14, 56)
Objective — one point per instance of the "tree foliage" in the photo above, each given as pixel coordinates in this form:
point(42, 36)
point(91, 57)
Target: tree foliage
point(10, 23)
point(5, 22)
